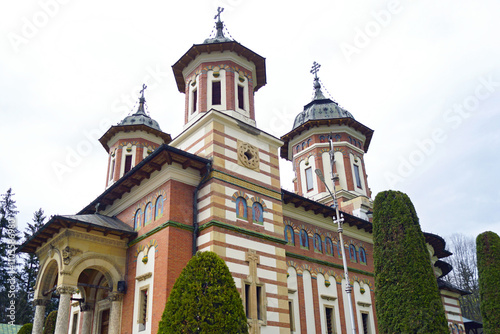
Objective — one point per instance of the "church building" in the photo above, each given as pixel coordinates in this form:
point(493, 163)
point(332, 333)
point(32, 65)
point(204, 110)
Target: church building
point(216, 187)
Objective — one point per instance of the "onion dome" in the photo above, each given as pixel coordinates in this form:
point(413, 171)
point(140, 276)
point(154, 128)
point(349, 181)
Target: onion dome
point(140, 117)
point(219, 35)
point(320, 107)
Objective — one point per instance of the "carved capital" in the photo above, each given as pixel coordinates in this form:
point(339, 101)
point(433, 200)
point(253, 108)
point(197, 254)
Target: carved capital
point(66, 289)
point(68, 253)
point(115, 297)
point(41, 302)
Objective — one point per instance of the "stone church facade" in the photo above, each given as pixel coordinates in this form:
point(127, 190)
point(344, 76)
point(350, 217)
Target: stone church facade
point(217, 187)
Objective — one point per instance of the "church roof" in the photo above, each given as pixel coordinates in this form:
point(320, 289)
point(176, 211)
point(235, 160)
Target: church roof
point(91, 222)
point(320, 108)
point(139, 121)
point(220, 43)
point(164, 154)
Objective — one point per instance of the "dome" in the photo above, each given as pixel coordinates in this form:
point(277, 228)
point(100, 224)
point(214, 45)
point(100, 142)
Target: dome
point(140, 117)
point(320, 108)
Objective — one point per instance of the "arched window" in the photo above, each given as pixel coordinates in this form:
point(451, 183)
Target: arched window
point(322, 139)
point(241, 208)
point(308, 142)
point(148, 214)
point(289, 235)
point(257, 213)
point(298, 148)
point(303, 145)
point(159, 207)
point(339, 250)
point(328, 246)
point(362, 255)
point(352, 253)
point(317, 243)
point(304, 239)
point(137, 219)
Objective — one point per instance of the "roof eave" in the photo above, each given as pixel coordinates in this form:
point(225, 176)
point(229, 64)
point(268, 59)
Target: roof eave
point(233, 46)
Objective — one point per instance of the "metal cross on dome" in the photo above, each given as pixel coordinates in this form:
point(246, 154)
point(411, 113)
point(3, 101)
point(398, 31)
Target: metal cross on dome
point(142, 90)
point(219, 10)
point(315, 69)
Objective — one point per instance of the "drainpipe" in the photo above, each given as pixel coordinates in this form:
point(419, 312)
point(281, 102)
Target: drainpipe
point(195, 207)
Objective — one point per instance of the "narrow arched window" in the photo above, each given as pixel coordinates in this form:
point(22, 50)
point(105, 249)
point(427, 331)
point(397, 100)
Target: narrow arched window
point(289, 235)
point(137, 219)
point(362, 255)
point(317, 243)
point(257, 213)
point(148, 214)
point(241, 208)
point(352, 253)
point(159, 207)
point(304, 239)
point(328, 246)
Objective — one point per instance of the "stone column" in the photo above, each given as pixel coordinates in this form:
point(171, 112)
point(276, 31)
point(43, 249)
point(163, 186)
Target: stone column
point(115, 313)
point(87, 310)
point(38, 322)
point(62, 321)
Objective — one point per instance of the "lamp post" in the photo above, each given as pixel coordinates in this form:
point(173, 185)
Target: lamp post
point(339, 220)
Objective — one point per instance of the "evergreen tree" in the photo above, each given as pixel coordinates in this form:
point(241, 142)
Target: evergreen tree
point(204, 299)
point(28, 274)
point(26, 329)
point(50, 323)
point(407, 299)
point(9, 240)
point(488, 265)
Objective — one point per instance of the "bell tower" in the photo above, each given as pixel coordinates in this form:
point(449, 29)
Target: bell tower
point(131, 141)
point(324, 132)
point(220, 74)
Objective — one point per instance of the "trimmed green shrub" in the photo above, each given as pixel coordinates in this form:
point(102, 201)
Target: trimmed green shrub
point(50, 323)
point(407, 298)
point(26, 329)
point(488, 267)
point(204, 299)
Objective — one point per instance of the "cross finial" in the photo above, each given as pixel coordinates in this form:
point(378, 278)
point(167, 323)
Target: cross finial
point(315, 69)
point(142, 90)
point(219, 10)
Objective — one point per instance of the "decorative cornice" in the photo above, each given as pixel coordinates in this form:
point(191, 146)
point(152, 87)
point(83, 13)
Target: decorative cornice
point(363, 304)
point(245, 184)
point(326, 263)
point(159, 228)
point(242, 231)
point(144, 277)
point(331, 298)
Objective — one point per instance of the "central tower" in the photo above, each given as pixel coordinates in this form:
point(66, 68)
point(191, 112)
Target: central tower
point(239, 208)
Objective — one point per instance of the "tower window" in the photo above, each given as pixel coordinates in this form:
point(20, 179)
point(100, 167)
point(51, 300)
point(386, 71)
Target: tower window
point(241, 98)
point(128, 164)
point(358, 177)
point(112, 170)
point(195, 99)
point(309, 179)
point(216, 93)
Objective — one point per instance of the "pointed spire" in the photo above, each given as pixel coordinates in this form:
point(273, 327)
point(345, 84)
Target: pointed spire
point(219, 25)
point(318, 94)
point(142, 101)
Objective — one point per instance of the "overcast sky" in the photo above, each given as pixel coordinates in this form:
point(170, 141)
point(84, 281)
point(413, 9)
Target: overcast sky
point(424, 75)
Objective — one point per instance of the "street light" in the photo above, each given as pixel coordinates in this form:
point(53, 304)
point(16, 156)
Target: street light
point(339, 219)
